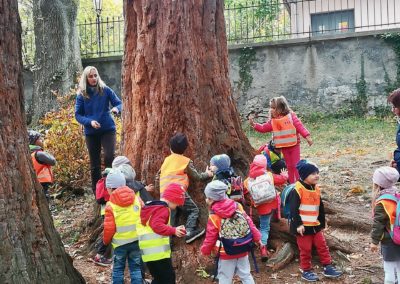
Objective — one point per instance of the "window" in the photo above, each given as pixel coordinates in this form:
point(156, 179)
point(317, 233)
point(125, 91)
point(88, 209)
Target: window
point(332, 23)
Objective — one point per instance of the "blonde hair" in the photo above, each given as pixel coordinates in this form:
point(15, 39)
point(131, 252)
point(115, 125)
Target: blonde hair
point(281, 105)
point(82, 87)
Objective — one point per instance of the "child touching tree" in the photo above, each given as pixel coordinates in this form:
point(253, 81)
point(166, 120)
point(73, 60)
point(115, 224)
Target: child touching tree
point(286, 129)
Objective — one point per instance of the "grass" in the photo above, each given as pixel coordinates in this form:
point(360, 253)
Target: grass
point(333, 134)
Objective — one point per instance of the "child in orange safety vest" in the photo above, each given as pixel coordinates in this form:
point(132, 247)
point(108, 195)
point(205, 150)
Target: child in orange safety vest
point(42, 162)
point(179, 169)
point(384, 209)
point(307, 222)
point(286, 129)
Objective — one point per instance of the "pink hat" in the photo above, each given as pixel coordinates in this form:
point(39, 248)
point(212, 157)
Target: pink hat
point(260, 160)
point(385, 177)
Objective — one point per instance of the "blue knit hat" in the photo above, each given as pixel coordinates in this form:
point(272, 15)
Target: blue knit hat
point(222, 162)
point(306, 168)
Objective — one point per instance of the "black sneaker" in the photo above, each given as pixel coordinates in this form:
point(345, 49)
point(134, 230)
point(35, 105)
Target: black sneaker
point(192, 235)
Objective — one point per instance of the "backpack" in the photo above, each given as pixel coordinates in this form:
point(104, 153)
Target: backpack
point(235, 234)
point(235, 188)
point(262, 189)
point(285, 205)
point(101, 191)
point(395, 229)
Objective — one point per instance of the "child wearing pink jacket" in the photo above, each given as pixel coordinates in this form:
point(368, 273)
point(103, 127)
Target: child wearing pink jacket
point(286, 129)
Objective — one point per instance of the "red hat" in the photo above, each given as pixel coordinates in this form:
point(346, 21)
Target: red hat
point(174, 193)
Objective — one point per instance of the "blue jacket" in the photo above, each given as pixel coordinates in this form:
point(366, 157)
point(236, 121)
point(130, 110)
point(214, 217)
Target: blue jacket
point(97, 107)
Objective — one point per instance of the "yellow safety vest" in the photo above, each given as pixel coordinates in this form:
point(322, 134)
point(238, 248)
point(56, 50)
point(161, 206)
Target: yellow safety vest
point(153, 246)
point(173, 171)
point(102, 209)
point(126, 220)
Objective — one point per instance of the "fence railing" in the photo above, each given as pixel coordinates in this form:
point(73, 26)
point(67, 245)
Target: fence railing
point(256, 21)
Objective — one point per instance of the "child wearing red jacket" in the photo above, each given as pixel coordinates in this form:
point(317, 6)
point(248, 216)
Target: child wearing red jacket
point(257, 168)
point(223, 207)
point(155, 221)
point(286, 129)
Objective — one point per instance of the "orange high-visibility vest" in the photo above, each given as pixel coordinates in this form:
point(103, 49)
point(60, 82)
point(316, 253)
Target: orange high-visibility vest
point(43, 172)
point(309, 204)
point(173, 171)
point(390, 208)
point(283, 132)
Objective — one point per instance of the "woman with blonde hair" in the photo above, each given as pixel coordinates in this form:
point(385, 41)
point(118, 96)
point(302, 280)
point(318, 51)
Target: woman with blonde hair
point(92, 110)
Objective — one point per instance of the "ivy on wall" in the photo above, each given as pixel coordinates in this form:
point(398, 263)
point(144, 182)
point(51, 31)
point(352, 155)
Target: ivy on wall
point(394, 40)
point(246, 58)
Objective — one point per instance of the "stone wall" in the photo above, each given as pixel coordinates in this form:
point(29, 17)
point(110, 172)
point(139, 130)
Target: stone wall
point(314, 75)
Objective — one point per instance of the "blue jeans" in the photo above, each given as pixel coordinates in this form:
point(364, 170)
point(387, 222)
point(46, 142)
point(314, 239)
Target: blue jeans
point(131, 252)
point(265, 221)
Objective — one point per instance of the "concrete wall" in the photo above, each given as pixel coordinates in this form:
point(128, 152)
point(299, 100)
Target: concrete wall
point(318, 75)
point(368, 14)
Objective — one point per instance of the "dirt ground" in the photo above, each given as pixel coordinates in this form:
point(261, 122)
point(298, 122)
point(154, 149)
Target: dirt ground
point(346, 170)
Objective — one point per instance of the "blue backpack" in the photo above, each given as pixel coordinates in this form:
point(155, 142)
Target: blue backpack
point(395, 229)
point(285, 205)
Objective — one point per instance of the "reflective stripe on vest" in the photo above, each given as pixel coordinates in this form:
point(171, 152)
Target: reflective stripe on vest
point(126, 219)
point(153, 246)
point(284, 133)
point(43, 172)
point(309, 204)
point(173, 171)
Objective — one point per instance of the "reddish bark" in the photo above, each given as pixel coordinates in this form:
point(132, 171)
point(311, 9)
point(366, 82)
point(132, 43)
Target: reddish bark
point(175, 78)
point(31, 250)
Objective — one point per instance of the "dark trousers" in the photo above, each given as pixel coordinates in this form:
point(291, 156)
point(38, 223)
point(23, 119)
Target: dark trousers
point(162, 271)
point(191, 211)
point(94, 144)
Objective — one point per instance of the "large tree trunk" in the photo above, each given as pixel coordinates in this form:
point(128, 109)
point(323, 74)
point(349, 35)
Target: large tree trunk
point(57, 54)
point(31, 250)
point(175, 78)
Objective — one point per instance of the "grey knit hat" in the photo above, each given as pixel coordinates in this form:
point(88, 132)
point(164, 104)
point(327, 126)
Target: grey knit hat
point(120, 160)
point(216, 190)
point(115, 179)
point(128, 172)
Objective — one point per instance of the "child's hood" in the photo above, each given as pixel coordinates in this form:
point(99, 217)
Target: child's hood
point(123, 196)
point(256, 170)
point(149, 209)
point(224, 208)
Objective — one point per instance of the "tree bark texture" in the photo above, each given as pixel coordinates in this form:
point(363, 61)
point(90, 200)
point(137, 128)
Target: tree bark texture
point(175, 78)
point(57, 54)
point(31, 250)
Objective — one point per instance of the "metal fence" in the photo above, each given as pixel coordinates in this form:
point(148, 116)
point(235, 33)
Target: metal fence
point(256, 21)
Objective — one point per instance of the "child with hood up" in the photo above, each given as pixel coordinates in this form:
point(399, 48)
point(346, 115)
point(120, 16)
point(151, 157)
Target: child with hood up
point(258, 168)
point(384, 209)
point(221, 207)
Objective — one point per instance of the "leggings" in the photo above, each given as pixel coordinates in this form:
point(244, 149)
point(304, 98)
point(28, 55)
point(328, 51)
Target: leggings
point(292, 157)
point(94, 143)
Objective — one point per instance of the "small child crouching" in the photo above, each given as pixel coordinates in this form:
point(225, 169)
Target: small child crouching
point(154, 232)
point(307, 220)
point(222, 209)
point(384, 205)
